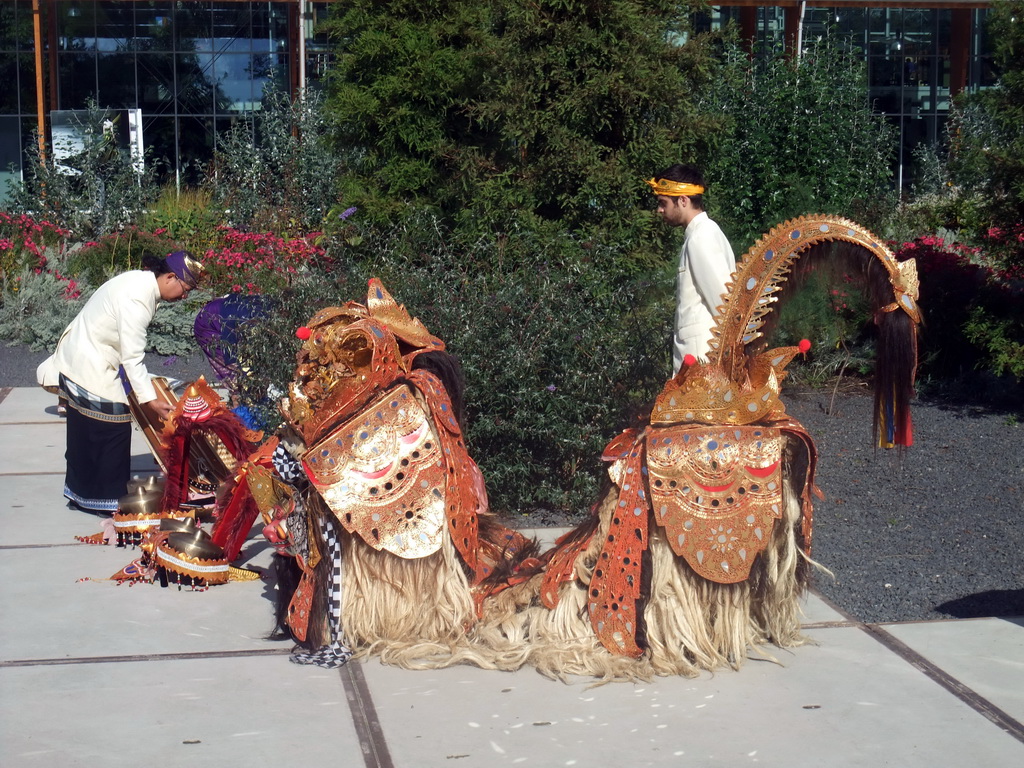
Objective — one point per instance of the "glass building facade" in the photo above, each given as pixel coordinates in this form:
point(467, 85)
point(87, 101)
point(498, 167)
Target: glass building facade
point(193, 66)
point(917, 57)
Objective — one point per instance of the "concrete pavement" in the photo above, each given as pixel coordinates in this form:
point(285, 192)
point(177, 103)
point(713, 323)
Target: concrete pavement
point(96, 674)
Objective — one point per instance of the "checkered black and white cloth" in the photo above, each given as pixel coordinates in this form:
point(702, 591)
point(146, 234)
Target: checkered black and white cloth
point(335, 654)
point(287, 466)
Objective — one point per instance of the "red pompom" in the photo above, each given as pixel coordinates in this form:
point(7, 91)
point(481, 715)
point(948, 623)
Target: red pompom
point(689, 360)
point(804, 345)
point(303, 333)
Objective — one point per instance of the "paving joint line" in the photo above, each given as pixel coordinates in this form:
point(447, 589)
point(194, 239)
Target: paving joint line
point(28, 474)
point(184, 656)
point(372, 742)
point(995, 715)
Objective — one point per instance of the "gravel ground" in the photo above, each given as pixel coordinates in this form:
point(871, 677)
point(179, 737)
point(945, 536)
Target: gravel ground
point(935, 534)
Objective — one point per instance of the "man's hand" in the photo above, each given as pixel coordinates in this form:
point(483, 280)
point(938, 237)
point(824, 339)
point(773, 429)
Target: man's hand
point(158, 410)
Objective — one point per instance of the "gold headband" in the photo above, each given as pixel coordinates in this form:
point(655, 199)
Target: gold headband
point(670, 188)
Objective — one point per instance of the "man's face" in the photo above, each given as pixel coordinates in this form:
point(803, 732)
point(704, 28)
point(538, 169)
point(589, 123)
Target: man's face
point(672, 210)
point(172, 288)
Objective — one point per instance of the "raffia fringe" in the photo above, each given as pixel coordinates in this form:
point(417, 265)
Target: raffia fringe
point(419, 614)
point(416, 614)
point(692, 624)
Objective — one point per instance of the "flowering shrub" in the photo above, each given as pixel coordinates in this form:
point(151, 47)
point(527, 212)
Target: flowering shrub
point(37, 306)
point(250, 263)
point(97, 261)
point(1004, 246)
point(972, 314)
point(28, 244)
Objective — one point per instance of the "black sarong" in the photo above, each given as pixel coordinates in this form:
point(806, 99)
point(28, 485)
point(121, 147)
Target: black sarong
point(99, 450)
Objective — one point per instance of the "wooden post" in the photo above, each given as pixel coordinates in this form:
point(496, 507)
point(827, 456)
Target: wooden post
point(37, 39)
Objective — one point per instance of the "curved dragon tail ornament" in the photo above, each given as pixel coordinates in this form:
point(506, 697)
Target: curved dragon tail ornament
point(759, 278)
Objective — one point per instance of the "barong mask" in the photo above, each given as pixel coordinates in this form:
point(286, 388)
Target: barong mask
point(385, 450)
point(349, 355)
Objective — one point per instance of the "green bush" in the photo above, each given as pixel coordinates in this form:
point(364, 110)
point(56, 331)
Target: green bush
point(170, 332)
point(558, 349)
point(189, 217)
point(37, 307)
point(1000, 336)
point(829, 310)
point(275, 170)
point(552, 109)
point(800, 138)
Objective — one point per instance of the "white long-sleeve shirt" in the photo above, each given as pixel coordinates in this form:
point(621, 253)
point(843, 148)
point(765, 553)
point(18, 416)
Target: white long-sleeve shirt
point(706, 264)
point(109, 331)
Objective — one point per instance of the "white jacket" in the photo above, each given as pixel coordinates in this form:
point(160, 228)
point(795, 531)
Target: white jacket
point(706, 264)
point(108, 332)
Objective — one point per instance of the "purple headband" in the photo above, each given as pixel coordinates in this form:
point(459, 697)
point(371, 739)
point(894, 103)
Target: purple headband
point(185, 268)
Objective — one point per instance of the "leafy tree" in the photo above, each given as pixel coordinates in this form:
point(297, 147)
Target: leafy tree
point(800, 138)
point(275, 169)
point(552, 107)
point(987, 144)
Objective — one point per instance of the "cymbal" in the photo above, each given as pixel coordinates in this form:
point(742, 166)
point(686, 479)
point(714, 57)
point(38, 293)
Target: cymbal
point(140, 501)
point(178, 525)
point(151, 483)
point(195, 544)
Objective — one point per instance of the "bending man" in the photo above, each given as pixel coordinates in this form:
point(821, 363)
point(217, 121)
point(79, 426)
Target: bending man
point(106, 337)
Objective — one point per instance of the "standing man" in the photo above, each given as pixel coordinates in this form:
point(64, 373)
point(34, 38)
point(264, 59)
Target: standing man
point(105, 341)
point(706, 261)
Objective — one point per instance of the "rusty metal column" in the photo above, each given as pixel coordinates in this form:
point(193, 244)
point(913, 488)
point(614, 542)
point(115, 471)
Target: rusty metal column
point(37, 41)
point(791, 30)
point(959, 49)
point(748, 28)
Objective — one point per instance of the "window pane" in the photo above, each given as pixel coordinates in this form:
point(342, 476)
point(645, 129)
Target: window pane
point(233, 74)
point(115, 26)
point(116, 80)
point(9, 74)
point(77, 79)
point(195, 142)
point(15, 26)
point(158, 137)
point(195, 87)
point(153, 26)
point(192, 27)
point(231, 20)
point(10, 142)
point(26, 83)
point(76, 26)
point(156, 82)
